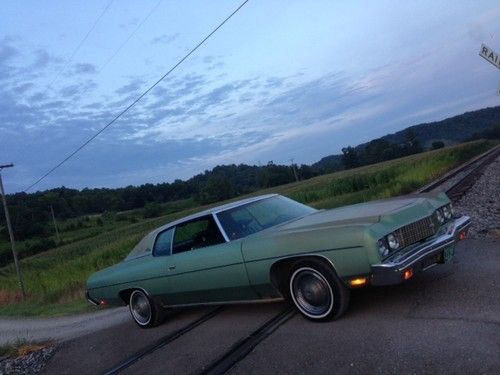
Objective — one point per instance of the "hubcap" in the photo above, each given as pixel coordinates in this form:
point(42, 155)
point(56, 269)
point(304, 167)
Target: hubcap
point(311, 292)
point(140, 307)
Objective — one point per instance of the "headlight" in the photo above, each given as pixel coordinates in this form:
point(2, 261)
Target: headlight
point(440, 216)
point(393, 241)
point(447, 212)
point(383, 248)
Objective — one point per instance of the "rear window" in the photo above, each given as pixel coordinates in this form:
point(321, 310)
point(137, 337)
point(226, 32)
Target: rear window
point(141, 249)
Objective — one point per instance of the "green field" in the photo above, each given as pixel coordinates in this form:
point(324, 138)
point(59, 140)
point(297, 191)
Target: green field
point(88, 226)
point(55, 279)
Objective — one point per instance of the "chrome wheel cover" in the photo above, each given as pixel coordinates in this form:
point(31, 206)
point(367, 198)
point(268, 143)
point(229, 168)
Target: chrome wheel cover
point(140, 307)
point(311, 292)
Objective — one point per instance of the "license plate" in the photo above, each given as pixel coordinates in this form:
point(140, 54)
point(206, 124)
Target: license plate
point(448, 254)
point(438, 258)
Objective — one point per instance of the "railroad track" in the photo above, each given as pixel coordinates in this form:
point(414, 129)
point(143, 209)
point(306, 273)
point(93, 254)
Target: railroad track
point(162, 342)
point(227, 360)
point(465, 176)
point(243, 347)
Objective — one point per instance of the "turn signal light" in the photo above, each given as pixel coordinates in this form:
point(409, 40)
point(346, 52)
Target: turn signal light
point(361, 281)
point(408, 274)
point(462, 235)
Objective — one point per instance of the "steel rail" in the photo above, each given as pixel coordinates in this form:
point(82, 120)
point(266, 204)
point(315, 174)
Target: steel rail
point(473, 169)
point(162, 342)
point(458, 189)
point(243, 347)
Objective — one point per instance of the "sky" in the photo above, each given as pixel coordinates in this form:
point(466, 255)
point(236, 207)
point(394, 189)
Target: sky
point(281, 80)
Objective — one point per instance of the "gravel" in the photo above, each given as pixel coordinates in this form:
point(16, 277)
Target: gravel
point(29, 364)
point(482, 203)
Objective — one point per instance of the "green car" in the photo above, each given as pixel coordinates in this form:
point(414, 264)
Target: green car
point(271, 247)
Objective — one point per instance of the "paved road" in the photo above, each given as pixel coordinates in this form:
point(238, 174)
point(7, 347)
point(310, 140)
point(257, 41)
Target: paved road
point(61, 328)
point(444, 321)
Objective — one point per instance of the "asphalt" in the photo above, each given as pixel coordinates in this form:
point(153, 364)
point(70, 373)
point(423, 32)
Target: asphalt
point(446, 320)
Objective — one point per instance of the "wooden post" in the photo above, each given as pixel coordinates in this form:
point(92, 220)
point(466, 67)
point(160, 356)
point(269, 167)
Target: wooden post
point(11, 233)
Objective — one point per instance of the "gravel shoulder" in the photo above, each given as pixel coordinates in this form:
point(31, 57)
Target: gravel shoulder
point(482, 203)
point(60, 328)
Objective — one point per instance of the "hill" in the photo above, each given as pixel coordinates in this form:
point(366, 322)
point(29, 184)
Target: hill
point(482, 123)
point(455, 129)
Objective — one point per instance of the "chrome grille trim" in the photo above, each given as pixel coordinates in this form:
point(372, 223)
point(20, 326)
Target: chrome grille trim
point(417, 231)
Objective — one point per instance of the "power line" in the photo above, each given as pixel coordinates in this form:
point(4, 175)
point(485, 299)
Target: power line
point(138, 99)
point(131, 35)
point(68, 61)
point(116, 51)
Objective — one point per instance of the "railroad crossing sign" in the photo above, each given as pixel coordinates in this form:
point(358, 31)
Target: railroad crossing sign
point(490, 55)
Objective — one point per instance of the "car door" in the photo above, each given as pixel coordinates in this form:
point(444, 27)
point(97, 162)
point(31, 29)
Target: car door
point(203, 267)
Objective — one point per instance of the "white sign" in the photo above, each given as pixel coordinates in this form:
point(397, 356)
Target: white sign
point(490, 55)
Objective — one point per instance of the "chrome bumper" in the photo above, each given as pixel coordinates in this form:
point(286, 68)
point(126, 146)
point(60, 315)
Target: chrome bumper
point(95, 303)
point(393, 270)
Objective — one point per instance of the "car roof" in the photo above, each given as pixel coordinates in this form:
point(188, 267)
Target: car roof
point(213, 210)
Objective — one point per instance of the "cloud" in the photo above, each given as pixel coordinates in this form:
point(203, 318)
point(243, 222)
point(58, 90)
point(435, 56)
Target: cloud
point(131, 87)
point(84, 68)
point(42, 58)
point(23, 87)
point(216, 96)
point(165, 38)
point(7, 51)
point(209, 59)
point(77, 89)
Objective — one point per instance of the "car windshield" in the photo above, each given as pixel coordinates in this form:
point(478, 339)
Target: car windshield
point(253, 217)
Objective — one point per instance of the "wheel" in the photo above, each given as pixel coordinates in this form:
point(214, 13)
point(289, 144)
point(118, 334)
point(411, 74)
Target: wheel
point(317, 292)
point(145, 312)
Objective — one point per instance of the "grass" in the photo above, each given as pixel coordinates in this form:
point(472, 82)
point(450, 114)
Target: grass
point(20, 348)
point(33, 308)
point(89, 226)
point(55, 280)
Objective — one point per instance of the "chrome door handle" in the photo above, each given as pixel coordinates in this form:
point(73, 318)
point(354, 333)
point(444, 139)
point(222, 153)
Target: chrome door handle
point(171, 268)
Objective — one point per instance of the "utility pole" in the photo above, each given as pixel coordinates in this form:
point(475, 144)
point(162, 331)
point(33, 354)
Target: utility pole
point(294, 170)
point(11, 232)
point(55, 224)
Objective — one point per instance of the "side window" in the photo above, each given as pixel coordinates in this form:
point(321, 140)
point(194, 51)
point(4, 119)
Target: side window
point(163, 243)
point(196, 234)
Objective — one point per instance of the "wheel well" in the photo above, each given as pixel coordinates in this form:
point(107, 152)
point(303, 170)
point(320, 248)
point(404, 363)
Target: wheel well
point(280, 270)
point(125, 294)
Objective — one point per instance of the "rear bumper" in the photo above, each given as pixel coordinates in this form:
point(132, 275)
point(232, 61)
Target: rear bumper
point(421, 257)
point(95, 303)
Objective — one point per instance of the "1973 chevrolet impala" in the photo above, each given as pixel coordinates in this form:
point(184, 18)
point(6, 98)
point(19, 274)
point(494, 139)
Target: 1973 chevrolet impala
point(273, 247)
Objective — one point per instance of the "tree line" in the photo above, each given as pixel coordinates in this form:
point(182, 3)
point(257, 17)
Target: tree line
point(31, 217)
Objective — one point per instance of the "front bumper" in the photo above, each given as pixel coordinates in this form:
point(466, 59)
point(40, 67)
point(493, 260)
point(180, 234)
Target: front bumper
point(421, 257)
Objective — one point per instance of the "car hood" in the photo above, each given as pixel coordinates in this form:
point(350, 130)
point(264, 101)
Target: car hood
point(357, 214)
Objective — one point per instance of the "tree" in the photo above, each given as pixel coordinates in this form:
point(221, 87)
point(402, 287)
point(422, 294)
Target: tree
point(151, 210)
point(412, 143)
point(350, 157)
point(437, 144)
point(217, 189)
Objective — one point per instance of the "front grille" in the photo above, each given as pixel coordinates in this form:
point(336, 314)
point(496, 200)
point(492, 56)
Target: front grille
point(417, 231)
